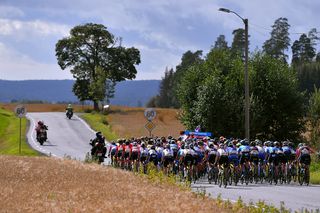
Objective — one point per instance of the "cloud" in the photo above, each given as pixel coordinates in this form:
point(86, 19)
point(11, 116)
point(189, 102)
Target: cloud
point(10, 12)
point(156, 60)
point(16, 66)
point(24, 29)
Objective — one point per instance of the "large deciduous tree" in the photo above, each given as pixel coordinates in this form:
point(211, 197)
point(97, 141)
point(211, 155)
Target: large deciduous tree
point(95, 57)
point(279, 41)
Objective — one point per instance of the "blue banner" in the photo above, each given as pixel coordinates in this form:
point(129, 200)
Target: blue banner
point(204, 134)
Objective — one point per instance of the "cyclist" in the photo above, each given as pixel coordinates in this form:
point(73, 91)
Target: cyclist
point(120, 152)
point(303, 157)
point(244, 153)
point(233, 156)
point(153, 155)
point(134, 155)
point(188, 160)
point(112, 152)
point(167, 159)
point(254, 158)
point(272, 158)
point(262, 156)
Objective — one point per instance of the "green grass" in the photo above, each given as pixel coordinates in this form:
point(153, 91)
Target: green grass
point(315, 170)
point(98, 122)
point(9, 135)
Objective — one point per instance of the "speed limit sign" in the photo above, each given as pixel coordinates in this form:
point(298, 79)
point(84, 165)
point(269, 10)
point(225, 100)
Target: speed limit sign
point(20, 111)
point(150, 113)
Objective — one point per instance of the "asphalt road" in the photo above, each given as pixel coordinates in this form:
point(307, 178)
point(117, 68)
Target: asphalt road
point(71, 138)
point(294, 196)
point(66, 138)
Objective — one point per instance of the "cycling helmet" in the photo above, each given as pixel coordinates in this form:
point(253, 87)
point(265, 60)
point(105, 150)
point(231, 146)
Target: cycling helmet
point(276, 143)
point(285, 143)
point(230, 144)
point(153, 147)
point(40, 122)
point(238, 144)
point(253, 143)
point(244, 142)
point(98, 134)
point(134, 144)
point(113, 143)
point(258, 142)
point(127, 142)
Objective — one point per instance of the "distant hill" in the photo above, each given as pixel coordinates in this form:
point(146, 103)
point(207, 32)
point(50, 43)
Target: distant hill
point(127, 93)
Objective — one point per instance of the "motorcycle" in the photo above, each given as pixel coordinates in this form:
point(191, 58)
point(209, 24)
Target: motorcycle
point(69, 114)
point(97, 151)
point(42, 136)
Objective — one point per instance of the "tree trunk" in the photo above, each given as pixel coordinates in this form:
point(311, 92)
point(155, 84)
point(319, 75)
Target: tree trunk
point(96, 106)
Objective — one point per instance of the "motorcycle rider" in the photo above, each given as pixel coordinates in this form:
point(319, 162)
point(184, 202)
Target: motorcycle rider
point(69, 109)
point(39, 127)
point(98, 142)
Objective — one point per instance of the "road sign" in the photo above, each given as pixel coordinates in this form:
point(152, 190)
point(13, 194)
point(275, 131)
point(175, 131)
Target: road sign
point(20, 111)
point(150, 126)
point(150, 113)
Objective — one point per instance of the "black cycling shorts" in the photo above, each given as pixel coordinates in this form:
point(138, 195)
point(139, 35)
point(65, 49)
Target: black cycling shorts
point(134, 156)
point(188, 160)
point(224, 159)
point(167, 160)
point(212, 159)
point(305, 159)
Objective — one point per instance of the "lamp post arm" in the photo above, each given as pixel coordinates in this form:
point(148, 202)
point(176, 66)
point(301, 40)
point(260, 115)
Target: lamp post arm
point(238, 15)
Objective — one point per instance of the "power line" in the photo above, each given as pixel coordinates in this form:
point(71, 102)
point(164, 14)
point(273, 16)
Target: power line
point(270, 29)
point(279, 39)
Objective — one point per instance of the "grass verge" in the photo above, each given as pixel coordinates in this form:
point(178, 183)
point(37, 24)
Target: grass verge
point(315, 170)
point(9, 135)
point(99, 122)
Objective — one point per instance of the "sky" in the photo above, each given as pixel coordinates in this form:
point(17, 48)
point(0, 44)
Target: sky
point(161, 29)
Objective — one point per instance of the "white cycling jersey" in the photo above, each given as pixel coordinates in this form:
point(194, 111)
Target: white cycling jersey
point(168, 153)
point(222, 152)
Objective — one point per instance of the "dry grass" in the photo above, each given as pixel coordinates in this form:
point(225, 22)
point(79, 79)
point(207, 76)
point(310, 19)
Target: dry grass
point(40, 184)
point(45, 107)
point(125, 121)
point(130, 122)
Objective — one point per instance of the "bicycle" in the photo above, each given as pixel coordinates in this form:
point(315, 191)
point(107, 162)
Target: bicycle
point(212, 174)
point(303, 175)
point(224, 175)
point(272, 174)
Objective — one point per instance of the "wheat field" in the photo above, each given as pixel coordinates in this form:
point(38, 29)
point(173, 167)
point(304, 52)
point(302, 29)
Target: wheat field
point(41, 184)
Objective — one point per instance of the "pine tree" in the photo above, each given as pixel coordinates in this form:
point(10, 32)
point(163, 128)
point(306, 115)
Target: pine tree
point(279, 41)
point(221, 43)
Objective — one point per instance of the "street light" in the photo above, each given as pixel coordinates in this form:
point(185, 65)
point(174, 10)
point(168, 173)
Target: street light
point(246, 75)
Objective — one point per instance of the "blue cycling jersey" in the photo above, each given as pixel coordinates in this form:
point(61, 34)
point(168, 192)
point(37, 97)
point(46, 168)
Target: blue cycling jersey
point(287, 150)
point(173, 146)
point(232, 152)
point(244, 149)
point(262, 153)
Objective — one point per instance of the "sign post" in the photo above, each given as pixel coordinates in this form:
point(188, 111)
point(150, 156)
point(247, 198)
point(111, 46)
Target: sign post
point(150, 114)
point(21, 112)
